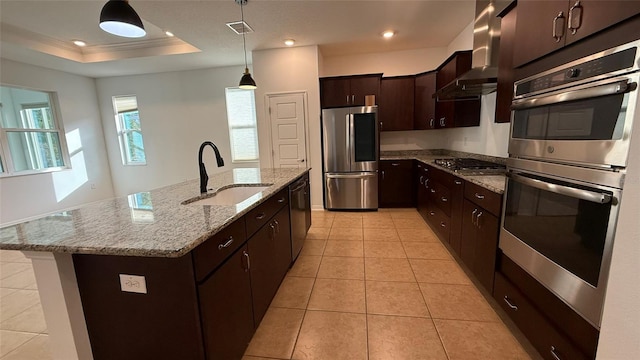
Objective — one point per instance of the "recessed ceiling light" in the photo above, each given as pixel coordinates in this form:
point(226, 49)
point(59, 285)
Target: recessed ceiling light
point(168, 33)
point(289, 42)
point(388, 34)
point(79, 43)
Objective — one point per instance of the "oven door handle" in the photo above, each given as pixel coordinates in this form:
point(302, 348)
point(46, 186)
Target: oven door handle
point(613, 88)
point(592, 196)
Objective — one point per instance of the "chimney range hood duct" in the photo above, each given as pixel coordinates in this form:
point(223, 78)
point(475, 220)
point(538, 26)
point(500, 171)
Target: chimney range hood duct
point(483, 76)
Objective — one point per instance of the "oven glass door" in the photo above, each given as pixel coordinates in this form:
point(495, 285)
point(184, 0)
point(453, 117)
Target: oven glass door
point(566, 223)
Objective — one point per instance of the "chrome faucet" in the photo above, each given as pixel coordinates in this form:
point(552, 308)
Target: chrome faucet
point(204, 178)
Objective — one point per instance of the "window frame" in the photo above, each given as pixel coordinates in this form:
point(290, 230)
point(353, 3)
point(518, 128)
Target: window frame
point(7, 166)
point(121, 132)
point(231, 127)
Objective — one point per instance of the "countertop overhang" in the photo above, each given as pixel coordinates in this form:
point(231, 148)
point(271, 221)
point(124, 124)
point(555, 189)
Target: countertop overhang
point(149, 224)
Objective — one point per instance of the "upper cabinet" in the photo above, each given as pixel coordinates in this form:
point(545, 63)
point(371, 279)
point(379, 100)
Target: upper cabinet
point(396, 103)
point(348, 90)
point(456, 113)
point(550, 25)
point(425, 104)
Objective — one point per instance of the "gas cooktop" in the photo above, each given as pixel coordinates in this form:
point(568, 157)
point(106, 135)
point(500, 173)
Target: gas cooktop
point(471, 166)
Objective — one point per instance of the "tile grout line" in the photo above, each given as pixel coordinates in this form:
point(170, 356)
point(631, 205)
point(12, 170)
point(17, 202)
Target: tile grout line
point(366, 309)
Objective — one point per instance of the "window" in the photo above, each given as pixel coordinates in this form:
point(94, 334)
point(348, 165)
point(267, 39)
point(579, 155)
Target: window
point(129, 130)
point(31, 138)
point(243, 130)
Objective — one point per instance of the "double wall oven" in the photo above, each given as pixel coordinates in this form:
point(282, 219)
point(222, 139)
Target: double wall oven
point(570, 135)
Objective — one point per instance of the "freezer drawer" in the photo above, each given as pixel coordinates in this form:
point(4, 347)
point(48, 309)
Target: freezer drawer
point(351, 191)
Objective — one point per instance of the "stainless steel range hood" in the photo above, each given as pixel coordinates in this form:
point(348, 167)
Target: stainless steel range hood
point(483, 76)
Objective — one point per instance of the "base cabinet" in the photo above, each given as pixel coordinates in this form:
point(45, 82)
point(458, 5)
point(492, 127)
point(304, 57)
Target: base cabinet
point(394, 175)
point(227, 321)
point(479, 242)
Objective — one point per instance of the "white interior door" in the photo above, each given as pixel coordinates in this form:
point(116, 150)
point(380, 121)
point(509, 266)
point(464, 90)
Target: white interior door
point(287, 115)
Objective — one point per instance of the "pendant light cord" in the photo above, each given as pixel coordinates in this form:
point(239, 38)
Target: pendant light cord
point(244, 30)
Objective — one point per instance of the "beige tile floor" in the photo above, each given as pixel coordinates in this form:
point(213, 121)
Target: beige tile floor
point(23, 331)
point(380, 285)
point(375, 285)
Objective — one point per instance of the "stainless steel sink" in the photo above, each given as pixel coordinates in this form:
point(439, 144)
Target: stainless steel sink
point(230, 195)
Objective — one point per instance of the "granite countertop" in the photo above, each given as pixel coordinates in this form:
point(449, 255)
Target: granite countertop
point(491, 182)
point(153, 224)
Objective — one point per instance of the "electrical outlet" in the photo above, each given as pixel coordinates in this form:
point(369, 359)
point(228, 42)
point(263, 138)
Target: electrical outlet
point(133, 283)
point(93, 186)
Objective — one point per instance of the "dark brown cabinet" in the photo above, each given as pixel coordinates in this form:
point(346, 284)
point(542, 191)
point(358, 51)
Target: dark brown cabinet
point(394, 177)
point(457, 195)
point(504, 92)
point(550, 25)
point(227, 320)
point(456, 113)
point(480, 229)
point(270, 251)
point(424, 103)
point(344, 91)
point(421, 187)
point(551, 326)
point(396, 103)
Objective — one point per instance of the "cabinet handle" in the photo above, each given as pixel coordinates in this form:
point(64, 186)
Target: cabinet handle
point(473, 216)
point(479, 196)
point(281, 200)
point(457, 182)
point(260, 216)
point(419, 166)
point(432, 123)
point(227, 244)
point(575, 17)
point(347, 99)
point(478, 220)
point(273, 231)
point(395, 164)
point(277, 226)
point(513, 307)
point(444, 199)
point(443, 224)
point(443, 121)
point(554, 353)
point(382, 172)
point(558, 36)
point(432, 213)
point(421, 179)
point(244, 253)
point(353, 99)
point(432, 190)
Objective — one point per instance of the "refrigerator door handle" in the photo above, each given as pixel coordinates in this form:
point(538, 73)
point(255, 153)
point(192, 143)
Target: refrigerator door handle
point(352, 139)
point(352, 175)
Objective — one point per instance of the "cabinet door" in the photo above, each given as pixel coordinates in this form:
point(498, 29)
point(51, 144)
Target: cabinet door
point(486, 248)
point(395, 106)
point(270, 251)
point(469, 233)
point(226, 308)
point(457, 198)
point(421, 190)
point(362, 86)
point(597, 15)
point(395, 180)
point(334, 92)
point(425, 104)
point(534, 29)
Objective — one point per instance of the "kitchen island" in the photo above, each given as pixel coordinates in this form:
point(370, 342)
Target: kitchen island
point(165, 253)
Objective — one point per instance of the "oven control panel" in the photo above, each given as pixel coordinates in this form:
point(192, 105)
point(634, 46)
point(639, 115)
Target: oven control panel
point(601, 65)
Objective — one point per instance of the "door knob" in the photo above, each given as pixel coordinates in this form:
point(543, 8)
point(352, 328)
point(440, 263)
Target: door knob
point(301, 160)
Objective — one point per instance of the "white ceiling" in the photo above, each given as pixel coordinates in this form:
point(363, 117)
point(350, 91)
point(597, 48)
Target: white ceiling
point(40, 32)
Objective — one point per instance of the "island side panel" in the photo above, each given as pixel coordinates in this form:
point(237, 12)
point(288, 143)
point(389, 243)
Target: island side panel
point(161, 324)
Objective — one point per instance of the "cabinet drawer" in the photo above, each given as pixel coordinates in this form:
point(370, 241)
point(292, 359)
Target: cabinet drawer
point(543, 335)
point(439, 221)
point(485, 198)
point(210, 254)
point(441, 196)
point(261, 214)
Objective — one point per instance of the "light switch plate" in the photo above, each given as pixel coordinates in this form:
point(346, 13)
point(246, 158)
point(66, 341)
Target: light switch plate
point(133, 283)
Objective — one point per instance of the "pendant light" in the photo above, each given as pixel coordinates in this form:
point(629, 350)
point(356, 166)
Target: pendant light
point(118, 18)
point(246, 82)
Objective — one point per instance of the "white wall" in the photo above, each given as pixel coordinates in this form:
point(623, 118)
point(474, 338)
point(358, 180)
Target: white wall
point(394, 63)
point(287, 70)
point(89, 178)
point(178, 111)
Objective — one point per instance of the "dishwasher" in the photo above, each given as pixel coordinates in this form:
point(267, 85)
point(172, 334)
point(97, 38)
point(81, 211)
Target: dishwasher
point(299, 200)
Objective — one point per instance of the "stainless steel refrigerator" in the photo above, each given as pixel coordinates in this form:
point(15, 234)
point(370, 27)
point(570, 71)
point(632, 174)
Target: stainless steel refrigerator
point(350, 154)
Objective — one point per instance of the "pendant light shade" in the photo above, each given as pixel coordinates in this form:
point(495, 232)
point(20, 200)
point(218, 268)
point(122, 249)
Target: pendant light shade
point(118, 18)
point(246, 82)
